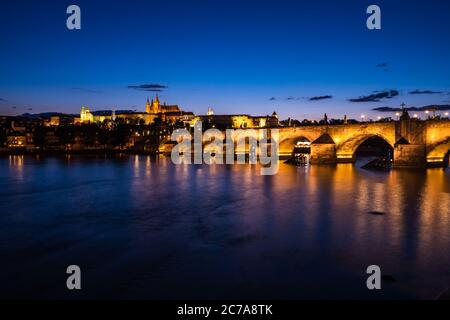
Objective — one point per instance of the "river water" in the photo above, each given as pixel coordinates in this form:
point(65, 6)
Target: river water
point(141, 227)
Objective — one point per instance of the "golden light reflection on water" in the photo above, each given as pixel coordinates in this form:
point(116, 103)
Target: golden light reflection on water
point(16, 163)
point(137, 165)
point(434, 220)
point(316, 211)
point(345, 187)
point(148, 163)
point(340, 196)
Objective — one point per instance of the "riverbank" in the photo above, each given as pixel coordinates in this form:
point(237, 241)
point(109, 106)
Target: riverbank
point(76, 152)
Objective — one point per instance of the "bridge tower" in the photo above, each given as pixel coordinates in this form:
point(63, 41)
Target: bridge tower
point(410, 146)
point(323, 150)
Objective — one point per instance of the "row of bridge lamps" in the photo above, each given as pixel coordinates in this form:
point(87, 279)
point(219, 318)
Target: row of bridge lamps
point(416, 115)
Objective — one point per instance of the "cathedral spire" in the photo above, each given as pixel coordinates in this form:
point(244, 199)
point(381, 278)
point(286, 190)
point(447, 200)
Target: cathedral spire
point(148, 107)
point(155, 105)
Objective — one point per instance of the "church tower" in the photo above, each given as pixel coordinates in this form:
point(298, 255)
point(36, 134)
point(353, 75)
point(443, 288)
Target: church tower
point(148, 107)
point(156, 106)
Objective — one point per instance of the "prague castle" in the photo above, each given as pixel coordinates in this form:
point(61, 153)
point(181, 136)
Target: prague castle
point(153, 109)
point(172, 113)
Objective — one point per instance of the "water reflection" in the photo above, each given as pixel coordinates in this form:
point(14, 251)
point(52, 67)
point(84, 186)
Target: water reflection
point(16, 164)
point(224, 231)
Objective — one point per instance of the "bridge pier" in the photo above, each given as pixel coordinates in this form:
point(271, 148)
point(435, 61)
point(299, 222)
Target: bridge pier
point(345, 158)
point(324, 153)
point(410, 156)
point(438, 163)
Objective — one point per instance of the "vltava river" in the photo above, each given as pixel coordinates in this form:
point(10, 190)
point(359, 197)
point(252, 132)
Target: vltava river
point(141, 227)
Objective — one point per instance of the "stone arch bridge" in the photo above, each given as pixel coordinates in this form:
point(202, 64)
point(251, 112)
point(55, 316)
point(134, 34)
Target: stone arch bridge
point(415, 143)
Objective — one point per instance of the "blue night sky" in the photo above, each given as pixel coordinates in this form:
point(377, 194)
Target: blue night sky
point(235, 56)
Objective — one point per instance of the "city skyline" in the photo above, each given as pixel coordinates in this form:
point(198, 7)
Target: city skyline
point(300, 60)
point(225, 158)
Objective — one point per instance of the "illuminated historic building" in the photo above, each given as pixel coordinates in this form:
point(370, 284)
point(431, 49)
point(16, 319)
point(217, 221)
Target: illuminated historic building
point(172, 113)
point(153, 109)
point(17, 141)
point(85, 115)
point(88, 116)
point(53, 121)
point(237, 121)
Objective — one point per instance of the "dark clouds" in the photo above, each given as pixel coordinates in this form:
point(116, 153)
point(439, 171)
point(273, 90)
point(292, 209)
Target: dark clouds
point(376, 97)
point(1, 99)
point(317, 98)
point(417, 91)
point(290, 98)
point(314, 98)
point(445, 107)
point(382, 66)
point(149, 87)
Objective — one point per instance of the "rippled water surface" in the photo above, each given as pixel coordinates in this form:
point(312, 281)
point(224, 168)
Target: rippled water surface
point(140, 227)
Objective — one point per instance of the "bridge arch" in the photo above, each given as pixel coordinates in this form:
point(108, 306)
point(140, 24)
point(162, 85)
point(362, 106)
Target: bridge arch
point(288, 142)
point(286, 146)
point(439, 153)
point(346, 151)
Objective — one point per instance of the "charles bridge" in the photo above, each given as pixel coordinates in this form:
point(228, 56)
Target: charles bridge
point(415, 143)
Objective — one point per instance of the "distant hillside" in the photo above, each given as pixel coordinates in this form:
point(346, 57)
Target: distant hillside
point(46, 115)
